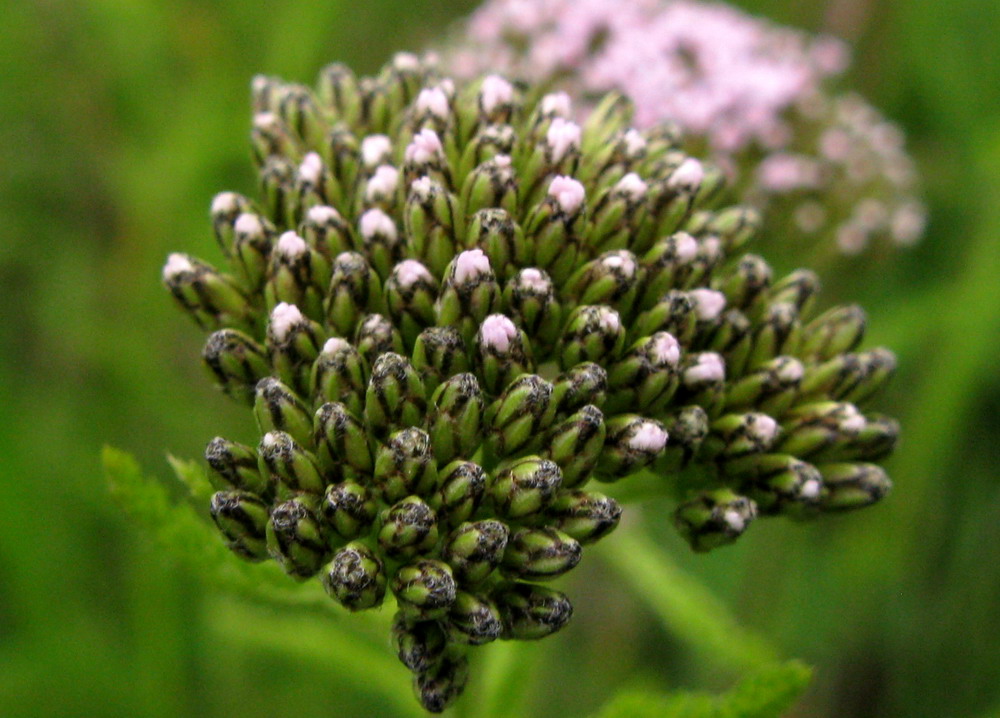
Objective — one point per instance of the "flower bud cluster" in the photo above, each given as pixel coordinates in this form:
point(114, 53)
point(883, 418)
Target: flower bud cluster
point(747, 89)
point(453, 310)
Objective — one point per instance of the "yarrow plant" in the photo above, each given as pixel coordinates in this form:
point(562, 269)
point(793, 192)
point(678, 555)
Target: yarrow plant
point(453, 310)
point(756, 96)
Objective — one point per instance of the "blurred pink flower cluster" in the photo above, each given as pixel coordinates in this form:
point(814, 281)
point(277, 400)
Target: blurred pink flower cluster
point(756, 95)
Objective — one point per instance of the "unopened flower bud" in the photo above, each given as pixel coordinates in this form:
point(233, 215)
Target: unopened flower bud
point(531, 299)
point(702, 381)
point(474, 620)
point(405, 465)
point(518, 418)
point(234, 466)
point(455, 417)
point(852, 486)
point(494, 231)
point(354, 289)
point(779, 332)
point(798, 288)
point(747, 283)
point(668, 265)
point(424, 588)
point(341, 439)
point(395, 396)
point(236, 362)
point(620, 211)
point(475, 549)
point(434, 224)
point(525, 486)
point(504, 352)
point(810, 429)
point(277, 408)
point(226, 208)
point(611, 279)
point(296, 539)
point(833, 332)
point(210, 297)
point(439, 354)
point(633, 442)
point(408, 528)
point(646, 377)
point(587, 516)
point(380, 240)
point(325, 231)
point(293, 342)
point(376, 336)
point(252, 244)
point(673, 313)
point(442, 684)
point(575, 444)
point(876, 441)
point(531, 612)
point(242, 519)
point(687, 429)
point(714, 518)
point(557, 224)
point(540, 554)
point(469, 293)
point(349, 508)
point(737, 435)
point(356, 577)
point(420, 645)
point(771, 388)
point(491, 185)
point(585, 383)
point(410, 292)
point(339, 374)
point(592, 333)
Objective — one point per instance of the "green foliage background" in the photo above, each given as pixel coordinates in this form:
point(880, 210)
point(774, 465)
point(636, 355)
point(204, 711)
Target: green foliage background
point(119, 120)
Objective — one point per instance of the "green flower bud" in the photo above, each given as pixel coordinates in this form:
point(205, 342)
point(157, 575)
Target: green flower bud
point(379, 189)
point(540, 554)
point(463, 485)
point(500, 238)
point(668, 265)
point(337, 87)
point(584, 384)
point(558, 223)
point(592, 333)
point(833, 332)
point(738, 435)
point(356, 577)
point(342, 154)
point(395, 397)
point(852, 486)
point(576, 443)
point(469, 293)
point(410, 292)
point(492, 185)
point(341, 440)
point(408, 528)
point(674, 313)
point(517, 420)
point(772, 388)
point(474, 620)
point(236, 363)
point(376, 336)
point(420, 645)
point(613, 112)
point(293, 342)
point(242, 519)
point(734, 226)
point(732, 338)
point(531, 612)
point(425, 588)
point(455, 417)
point(474, 550)
point(298, 275)
point(874, 442)
point(300, 113)
point(488, 142)
point(354, 289)
point(277, 188)
point(253, 238)
point(213, 299)
point(687, 429)
point(339, 374)
point(525, 487)
point(296, 468)
point(439, 354)
point(647, 376)
point(270, 137)
point(380, 238)
point(810, 429)
point(779, 333)
point(799, 289)
point(875, 369)
point(425, 157)
point(405, 465)
point(226, 208)
point(619, 213)
point(747, 283)
point(349, 508)
point(375, 110)
point(530, 298)
point(779, 483)
point(633, 442)
point(326, 232)
point(403, 77)
point(714, 518)
point(296, 539)
point(278, 409)
point(434, 224)
point(442, 684)
point(624, 153)
point(674, 192)
point(234, 466)
point(586, 516)
point(611, 279)
point(503, 353)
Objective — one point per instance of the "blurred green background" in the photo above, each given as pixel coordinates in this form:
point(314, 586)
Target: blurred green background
point(119, 121)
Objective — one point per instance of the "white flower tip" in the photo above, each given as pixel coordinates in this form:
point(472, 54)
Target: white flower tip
point(383, 182)
point(283, 318)
point(496, 91)
point(634, 142)
point(176, 265)
point(322, 214)
point(810, 489)
point(311, 169)
point(666, 349)
point(686, 246)
point(535, 280)
point(502, 161)
point(632, 186)
point(406, 61)
point(497, 332)
point(375, 222)
point(791, 371)
point(687, 176)
point(562, 136)
point(710, 368)
point(248, 225)
point(225, 203)
point(649, 437)
point(568, 193)
point(708, 303)
point(470, 265)
point(270, 439)
point(609, 320)
point(291, 245)
point(265, 121)
point(335, 345)
point(763, 427)
point(374, 148)
point(734, 520)
point(409, 272)
point(422, 187)
point(852, 421)
point(623, 260)
point(433, 100)
point(557, 104)
point(426, 145)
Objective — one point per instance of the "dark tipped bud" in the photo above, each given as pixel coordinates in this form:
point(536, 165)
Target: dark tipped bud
point(833, 332)
point(278, 409)
point(779, 483)
point(325, 231)
point(491, 186)
point(474, 620)
point(779, 333)
point(297, 275)
point(516, 421)
point(820, 427)
point(226, 208)
point(737, 435)
point(584, 384)
point(531, 612)
point(463, 485)
point(438, 354)
point(419, 644)
point(295, 537)
point(236, 362)
point(341, 439)
point(425, 588)
point(295, 467)
point(434, 223)
point(339, 374)
point(587, 516)
point(611, 279)
point(576, 443)
point(408, 528)
point(852, 486)
point(646, 377)
point(531, 299)
point(395, 397)
point(798, 288)
point(234, 466)
point(687, 429)
point(525, 487)
point(747, 283)
point(211, 298)
point(474, 549)
point(376, 336)
point(503, 352)
point(293, 342)
point(633, 442)
point(442, 684)
point(356, 577)
point(410, 293)
point(455, 417)
point(405, 465)
point(242, 519)
point(772, 388)
point(349, 508)
point(673, 313)
point(592, 333)
point(714, 518)
point(354, 288)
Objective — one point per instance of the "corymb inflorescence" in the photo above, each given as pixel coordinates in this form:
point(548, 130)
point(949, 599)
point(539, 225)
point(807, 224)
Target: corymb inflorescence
point(455, 312)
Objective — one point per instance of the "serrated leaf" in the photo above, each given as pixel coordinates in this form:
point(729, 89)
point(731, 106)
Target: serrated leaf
point(192, 475)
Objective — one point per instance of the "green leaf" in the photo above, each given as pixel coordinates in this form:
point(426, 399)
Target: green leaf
point(192, 475)
point(767, 693)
